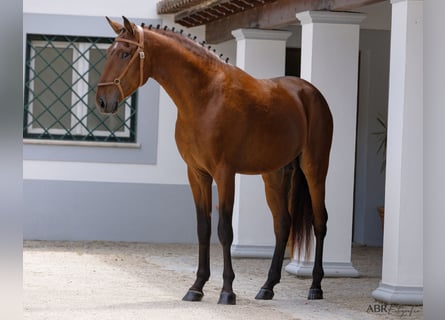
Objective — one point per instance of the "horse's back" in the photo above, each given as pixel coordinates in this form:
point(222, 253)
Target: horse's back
point(285, 114)
point(254, 125)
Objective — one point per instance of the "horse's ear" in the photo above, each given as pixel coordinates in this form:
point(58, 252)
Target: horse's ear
point(128, 26)
point(116, 26)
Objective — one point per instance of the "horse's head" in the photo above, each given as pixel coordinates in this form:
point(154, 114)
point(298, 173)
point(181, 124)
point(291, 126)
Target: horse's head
point(123, 72)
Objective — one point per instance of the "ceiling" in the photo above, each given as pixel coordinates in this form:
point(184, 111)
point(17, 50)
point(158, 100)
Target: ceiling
point(223, 16)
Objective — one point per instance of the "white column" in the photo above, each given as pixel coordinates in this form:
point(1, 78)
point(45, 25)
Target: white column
point(329, 60)
point(402, 280)
point(261, 53)
point(433, 159)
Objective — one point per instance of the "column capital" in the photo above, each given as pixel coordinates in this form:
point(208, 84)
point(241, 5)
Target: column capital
point(260, 34)
point(308, 17)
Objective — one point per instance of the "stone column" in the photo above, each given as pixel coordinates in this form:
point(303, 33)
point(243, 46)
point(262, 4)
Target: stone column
point(261, 53)
point(329, 60)
point(402, 280)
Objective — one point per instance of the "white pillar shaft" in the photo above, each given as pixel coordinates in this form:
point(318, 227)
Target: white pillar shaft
point(261, 53)
point(329, 60)
point(434, 160)
point(402, 280)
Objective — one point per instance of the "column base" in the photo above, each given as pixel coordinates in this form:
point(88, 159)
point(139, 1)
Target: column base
point(246, 251)
point(331, 269)
point(398, 294)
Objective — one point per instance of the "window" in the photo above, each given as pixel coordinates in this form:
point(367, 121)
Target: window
point(60, 81)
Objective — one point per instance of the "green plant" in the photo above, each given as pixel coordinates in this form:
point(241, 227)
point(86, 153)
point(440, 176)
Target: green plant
point(381, 140)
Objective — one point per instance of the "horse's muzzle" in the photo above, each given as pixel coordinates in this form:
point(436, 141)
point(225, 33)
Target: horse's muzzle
point(106, 107)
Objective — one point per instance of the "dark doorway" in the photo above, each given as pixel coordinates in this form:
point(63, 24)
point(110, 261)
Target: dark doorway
point(293, 62)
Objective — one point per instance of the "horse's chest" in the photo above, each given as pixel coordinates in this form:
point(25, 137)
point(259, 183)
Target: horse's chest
point(193, 144)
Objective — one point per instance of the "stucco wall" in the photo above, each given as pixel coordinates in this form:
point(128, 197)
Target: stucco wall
point(373, 103)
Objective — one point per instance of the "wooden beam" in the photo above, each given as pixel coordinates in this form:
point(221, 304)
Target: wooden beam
point(344, 5)
point(273, 15)
point(173, 6)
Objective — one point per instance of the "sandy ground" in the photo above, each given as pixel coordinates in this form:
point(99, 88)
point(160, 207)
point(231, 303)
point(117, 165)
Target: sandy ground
point(107, 280)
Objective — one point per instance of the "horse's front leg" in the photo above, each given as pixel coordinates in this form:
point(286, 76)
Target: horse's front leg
point(225, 181)
point(201, 185)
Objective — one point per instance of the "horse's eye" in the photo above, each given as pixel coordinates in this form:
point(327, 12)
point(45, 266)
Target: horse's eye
point(124, 55)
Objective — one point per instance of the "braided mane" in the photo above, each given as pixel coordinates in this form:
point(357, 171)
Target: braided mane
point(188, 41)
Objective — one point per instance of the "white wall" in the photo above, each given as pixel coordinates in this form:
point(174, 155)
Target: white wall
point(135, 8)
point(378, 16)
point(373, 102)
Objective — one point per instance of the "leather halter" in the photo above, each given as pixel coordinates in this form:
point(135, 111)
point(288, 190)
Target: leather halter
point(140, 52)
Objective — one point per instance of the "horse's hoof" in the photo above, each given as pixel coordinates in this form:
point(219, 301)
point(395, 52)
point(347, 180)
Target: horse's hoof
point(227, 298)
point(315, 294)
point(265, 294)
point(193, 295)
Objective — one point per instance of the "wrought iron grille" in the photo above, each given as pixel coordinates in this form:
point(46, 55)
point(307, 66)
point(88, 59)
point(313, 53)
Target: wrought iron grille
point(60, 81)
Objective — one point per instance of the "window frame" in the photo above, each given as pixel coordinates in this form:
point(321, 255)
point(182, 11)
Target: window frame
point(78, 128)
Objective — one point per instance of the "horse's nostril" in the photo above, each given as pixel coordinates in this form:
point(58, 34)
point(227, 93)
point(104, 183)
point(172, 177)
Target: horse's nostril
point(101, 103)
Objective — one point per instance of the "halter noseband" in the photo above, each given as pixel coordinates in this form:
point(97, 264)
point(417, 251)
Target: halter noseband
point(140, 52)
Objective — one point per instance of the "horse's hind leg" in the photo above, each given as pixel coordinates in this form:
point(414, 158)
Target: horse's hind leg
point(201, 184)
point(277, 186)
point(315, 173)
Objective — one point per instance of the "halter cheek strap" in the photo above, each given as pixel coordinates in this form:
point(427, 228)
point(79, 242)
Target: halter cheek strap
point(140, 52)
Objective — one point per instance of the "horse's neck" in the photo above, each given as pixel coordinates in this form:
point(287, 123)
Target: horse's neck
point(177, 70)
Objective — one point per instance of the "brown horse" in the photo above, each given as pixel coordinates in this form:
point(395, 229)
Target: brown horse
point(229, 122)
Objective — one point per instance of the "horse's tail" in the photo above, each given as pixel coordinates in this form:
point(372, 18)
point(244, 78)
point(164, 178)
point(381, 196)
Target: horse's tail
point(300, 206)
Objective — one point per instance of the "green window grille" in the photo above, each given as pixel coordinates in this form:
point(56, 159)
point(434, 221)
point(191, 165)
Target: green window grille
point(60, 87)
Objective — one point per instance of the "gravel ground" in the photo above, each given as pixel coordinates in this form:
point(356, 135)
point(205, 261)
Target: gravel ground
point(109, 280)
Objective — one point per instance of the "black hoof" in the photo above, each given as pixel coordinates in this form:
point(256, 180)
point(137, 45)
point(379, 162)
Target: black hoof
point(265, 294)
point(227, 298)
point(315, 294)
point(193, 295)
